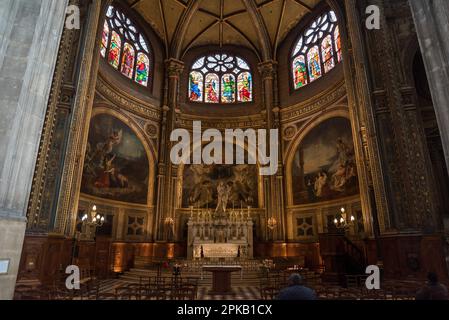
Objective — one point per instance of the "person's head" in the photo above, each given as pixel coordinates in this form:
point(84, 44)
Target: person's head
point(295, 280)
point(432, 277)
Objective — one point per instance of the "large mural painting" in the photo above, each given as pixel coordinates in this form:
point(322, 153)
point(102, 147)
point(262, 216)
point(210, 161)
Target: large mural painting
point(202, 183)
point(324, 166)
point(116, 165)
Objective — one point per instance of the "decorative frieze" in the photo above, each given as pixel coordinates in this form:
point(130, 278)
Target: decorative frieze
point(139, 107)
point(303, 109)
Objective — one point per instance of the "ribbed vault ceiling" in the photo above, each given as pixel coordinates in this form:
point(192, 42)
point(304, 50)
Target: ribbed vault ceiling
point(259, 25)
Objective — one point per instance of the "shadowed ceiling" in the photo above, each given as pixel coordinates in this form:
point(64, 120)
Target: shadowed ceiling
point(259, 25)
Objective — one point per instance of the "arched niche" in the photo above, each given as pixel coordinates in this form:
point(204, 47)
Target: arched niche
point(117, 144)
point(201, 181)
point(321, 165)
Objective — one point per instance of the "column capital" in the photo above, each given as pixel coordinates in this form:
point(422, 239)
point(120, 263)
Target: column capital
point(174, 67)
point(268, 69)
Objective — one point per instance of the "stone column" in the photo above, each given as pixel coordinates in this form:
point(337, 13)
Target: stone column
point(49, 164)
point(167, 173)
point(273, 184)
point(399, 128)
point(80, 122)
point(30, 33)
point(372, 194)
point(432, 26)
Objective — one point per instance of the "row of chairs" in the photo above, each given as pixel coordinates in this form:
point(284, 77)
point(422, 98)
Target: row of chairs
point(152, 288)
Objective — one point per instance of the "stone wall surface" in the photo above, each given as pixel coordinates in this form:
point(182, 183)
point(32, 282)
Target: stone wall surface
point(30, 32)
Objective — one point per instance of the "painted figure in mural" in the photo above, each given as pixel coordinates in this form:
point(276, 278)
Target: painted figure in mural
point(105, 179)
point(245, 88)
point(243, 185)
point(344, 152)
point(142, 70)
point(228, 89)
point(115, 138)
point(311, 189)
point(212, 94)
point(201, 194)
point(346, 166)
point(300, 74)
point(195, 91)
point(320, 184)
point(128, 61)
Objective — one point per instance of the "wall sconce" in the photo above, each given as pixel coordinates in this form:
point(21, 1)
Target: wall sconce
point(96, 219)
point(169, 222)
point(341, 220)
point(272, 223)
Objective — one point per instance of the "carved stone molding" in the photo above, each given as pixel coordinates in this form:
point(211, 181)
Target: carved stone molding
point(174, 67)
point(221, 124)
point(298, 111)
point(142, 108)
point(268, 69)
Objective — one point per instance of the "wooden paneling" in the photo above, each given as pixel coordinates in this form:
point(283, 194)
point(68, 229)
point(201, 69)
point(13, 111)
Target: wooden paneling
point(43, 257)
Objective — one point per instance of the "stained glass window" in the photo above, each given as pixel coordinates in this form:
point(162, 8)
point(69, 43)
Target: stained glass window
point(104, 39)
point(228, 88)
point(114, 50)
point(220, 78)
point(196, 86)
point(317, 50)
point(245, 87)
point(212, 88)
point(128, 60)
point(338, 43)
point(327, 52)
point(299, 71)
point(125, 47)
point(142, 69)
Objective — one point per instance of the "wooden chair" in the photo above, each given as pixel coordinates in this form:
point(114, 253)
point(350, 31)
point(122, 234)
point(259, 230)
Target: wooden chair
point(269, 293)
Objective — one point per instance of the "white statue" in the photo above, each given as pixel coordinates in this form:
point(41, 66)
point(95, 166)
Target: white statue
point(223, 191)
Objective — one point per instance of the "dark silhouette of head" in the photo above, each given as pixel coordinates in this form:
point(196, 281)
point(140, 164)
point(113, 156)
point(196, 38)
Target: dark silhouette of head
point(432, 277)
point(295, 279)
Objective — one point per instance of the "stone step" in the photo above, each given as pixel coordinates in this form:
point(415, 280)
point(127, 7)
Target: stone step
point(249, 278)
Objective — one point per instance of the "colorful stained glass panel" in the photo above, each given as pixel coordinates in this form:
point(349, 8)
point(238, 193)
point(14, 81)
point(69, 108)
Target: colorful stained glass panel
point(300, 72)
point(338, 43)
point(313, 60)
point(196, 86)
point(245, 87)
point(212, 88)
point(114, 50)
point(128, 61)
point(328, 53)
point(228, 88)
point(104, 39)
point(142, 69)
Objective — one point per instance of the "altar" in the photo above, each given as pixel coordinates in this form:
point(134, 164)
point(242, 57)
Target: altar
point(221, 278)
point(220, 234)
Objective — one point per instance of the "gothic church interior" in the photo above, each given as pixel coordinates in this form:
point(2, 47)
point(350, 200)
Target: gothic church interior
point(87, 176)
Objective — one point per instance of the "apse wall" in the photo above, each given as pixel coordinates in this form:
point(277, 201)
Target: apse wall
point(318, 150)
point(123, 141)
point(121, 159)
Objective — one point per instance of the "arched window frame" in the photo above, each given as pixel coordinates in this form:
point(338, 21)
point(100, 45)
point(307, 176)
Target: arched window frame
point(313, 35)
point(129, 33)
point(205, 67)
